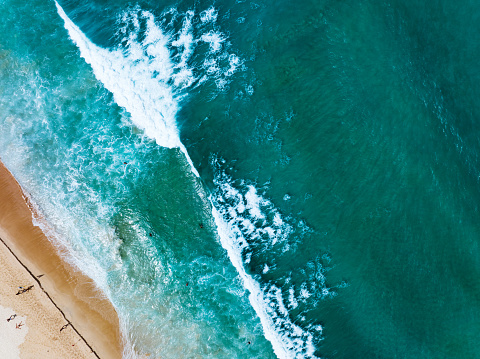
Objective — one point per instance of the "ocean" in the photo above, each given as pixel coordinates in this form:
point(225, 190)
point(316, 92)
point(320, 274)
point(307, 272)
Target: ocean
point(248, 179)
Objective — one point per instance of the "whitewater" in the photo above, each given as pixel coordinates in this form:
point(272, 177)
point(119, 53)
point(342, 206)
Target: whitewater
point(248, 179)
point(150, 86)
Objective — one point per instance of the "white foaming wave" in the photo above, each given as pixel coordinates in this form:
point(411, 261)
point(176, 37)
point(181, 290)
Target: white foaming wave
point(145, 79)
point(184, 77)
point(79, 256)
point(209, 15)
point(249, 209)
point(293, 303)
point(234, 62)
point(245, 218)
point(214, 39)
point(150, 101)
point(288, 339)
point(221, 67)
point(62, 215)
point(66, 217)
point(253, 203)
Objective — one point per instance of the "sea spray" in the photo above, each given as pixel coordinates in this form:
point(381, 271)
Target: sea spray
point(250, 225)
point(146, 81)
point(143, 76)
point(138, 80)
point(378, 165)
point(131, 94)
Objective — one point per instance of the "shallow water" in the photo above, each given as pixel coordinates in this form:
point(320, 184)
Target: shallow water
point(244, 179)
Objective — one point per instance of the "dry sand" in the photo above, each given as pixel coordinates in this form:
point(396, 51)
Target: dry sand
point(60, 293)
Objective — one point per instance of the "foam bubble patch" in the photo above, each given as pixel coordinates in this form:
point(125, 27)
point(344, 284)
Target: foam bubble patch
point(255, 234)
point(146, 77)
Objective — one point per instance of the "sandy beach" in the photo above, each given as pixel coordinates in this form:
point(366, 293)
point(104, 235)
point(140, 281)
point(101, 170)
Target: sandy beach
point(54, 310)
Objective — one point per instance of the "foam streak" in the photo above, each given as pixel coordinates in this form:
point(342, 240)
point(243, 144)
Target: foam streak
point(140, 78)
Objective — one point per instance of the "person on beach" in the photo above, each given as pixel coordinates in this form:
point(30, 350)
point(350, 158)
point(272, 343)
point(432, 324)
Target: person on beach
point(64, 327)
point(20, 291)
point(11, 317)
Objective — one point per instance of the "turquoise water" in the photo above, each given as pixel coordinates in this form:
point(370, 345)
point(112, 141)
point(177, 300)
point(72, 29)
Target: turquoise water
point(257, 180)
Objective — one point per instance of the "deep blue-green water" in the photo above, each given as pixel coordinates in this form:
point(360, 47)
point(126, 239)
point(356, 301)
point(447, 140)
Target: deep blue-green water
point(249, 179)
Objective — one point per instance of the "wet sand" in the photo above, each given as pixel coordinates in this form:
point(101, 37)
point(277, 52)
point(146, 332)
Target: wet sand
point(60, 294)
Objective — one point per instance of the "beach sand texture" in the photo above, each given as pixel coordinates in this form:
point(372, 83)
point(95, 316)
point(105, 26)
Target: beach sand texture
point(13, 330)
point(28, 258)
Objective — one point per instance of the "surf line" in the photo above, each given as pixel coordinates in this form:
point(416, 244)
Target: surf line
point(127, 77)
point(36, 279)
point(150, 100)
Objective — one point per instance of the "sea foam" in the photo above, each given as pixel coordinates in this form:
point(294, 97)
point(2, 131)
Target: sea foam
point(129, 76)
point(249, 223)
point(141, 71)
point(149, 83)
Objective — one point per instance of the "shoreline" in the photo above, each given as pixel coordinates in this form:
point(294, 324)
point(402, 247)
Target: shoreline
point(69, 323)
point(64, 293)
